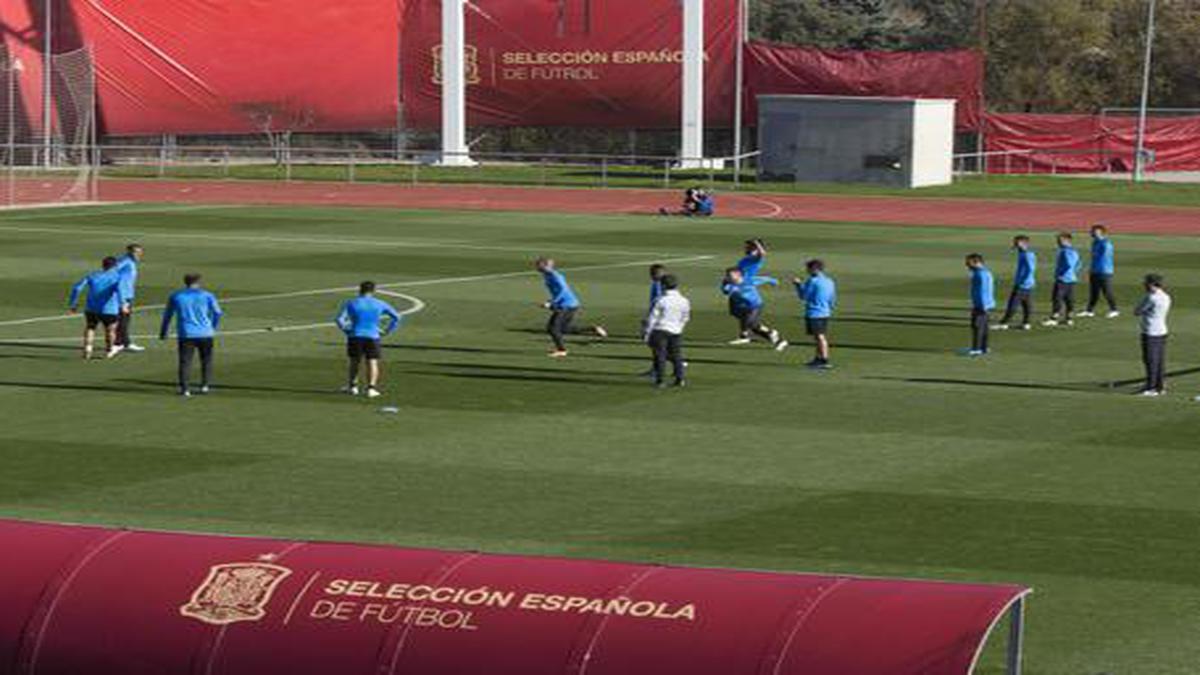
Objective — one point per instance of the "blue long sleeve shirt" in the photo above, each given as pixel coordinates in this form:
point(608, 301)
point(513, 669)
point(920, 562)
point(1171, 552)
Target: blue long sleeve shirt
point(561, 295)
point(104, 295)
point(745, 295)
point(983, 289)
point(127, 267)
point(750, 264)
point(362, 317)
point(196, 314)
point(1025, 278)
point(656, 291)
point(1102, 256)
point(1066, 265)
point(819, 294)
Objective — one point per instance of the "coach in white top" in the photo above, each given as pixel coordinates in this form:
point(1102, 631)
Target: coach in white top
point(664, 331)
point(1152, 313)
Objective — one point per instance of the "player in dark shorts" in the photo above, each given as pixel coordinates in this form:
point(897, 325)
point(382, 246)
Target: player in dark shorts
point(360, 318)
point(103, 305)
point(819, 294)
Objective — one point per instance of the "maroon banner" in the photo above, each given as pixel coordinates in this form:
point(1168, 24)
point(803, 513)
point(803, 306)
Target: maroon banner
point(784, 69)
point(579, 63)
point(81, 599)
point(1088, 143)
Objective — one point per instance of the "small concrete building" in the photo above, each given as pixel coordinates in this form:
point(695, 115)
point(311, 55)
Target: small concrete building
point(899, 142)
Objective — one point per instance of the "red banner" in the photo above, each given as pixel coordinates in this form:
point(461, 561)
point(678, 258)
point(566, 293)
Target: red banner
point(579, 63)
point(783, 69)
point(1088, 143)
point(205, 66)
point(94, 600)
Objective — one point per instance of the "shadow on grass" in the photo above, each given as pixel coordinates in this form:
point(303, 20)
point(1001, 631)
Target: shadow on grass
point(220, 387)
point(42, 345)
point(939, 323)
point(68, 386)
point(1140, 380)
point(531, 377)
point(992, 384)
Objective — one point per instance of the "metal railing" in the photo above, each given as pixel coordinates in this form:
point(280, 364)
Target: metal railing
point(1053, 162)
point(419, 166)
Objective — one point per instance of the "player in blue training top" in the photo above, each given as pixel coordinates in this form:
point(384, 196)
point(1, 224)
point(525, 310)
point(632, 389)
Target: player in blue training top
point(1066, 275)
point(127, 265)
point(819, 295)
point(103, 306)
point(657, 272)
point(983, 301)
point(1101, 274)
point(563, 305)
point(746, 303)
point(1024, 281)
point(753, 259)
point(197, 315)
point(360, 319)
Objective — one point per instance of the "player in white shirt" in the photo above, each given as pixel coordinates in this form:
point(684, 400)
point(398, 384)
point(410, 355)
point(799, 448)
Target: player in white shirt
point(1152, 315)
point(664, 331)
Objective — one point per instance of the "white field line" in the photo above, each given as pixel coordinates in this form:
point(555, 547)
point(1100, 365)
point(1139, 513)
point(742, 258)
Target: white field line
point(301, 239)
point(349, 289)
point(415, 305)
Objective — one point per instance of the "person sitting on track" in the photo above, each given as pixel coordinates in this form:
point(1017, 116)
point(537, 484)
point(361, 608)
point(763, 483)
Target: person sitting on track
point(696, 202)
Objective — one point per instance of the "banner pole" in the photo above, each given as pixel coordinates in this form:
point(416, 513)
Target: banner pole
point(47, 46)
point(738, 93)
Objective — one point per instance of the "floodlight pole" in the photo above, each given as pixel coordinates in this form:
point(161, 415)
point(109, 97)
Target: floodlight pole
point(738, 86)
point(454, 85)
point(1139, 160)
point(47, 50)
point(692, 148)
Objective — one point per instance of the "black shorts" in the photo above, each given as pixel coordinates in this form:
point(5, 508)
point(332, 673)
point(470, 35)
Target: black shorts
point(816, 326)
point(750, 318)
point(95, 319)
point(358, 348)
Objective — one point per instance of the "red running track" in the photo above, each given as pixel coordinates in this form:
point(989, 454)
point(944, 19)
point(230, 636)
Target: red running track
point(830, 208)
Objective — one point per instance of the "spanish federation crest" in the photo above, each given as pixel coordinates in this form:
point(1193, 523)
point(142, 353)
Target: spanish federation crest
point(235, 592)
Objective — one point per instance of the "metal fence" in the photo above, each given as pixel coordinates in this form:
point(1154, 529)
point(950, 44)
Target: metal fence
point(1053, 162)
point(359, 164)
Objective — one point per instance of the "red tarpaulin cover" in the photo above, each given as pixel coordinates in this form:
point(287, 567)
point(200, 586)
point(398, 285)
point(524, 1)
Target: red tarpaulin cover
point(82, 599)
point(784, 69)
point(1088, 143)
point(585, 63)
point(211, 66)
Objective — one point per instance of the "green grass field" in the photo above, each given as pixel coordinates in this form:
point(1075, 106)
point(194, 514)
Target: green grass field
point(906, 460)
point(1021, 187)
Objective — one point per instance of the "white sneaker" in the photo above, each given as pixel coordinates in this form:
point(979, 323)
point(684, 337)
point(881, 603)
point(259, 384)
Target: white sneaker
point(600, 330)
point(740, 341)
point(781, 345)
point(1112, 314)
point(1069, 323)
point(975, 352)
point(1085, 314)
point(350, 389)
point(1050, 323)
point(205, 390)
point(372, 392)
point(1026, 326)
point(112, 352)
point(1000, 326)
point(1150, 393)
point(87, 353)
point(134, 348)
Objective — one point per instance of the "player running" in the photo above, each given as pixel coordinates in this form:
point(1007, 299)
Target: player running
point(1024, 281)
point(755, 256)
point(563, 305)
point(127, 265)
point(1066, 275)
point(197, 315)
point(360, 319)
point(819, 295)
point(1101, 274)
point(746, 303)
point(105, 299)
